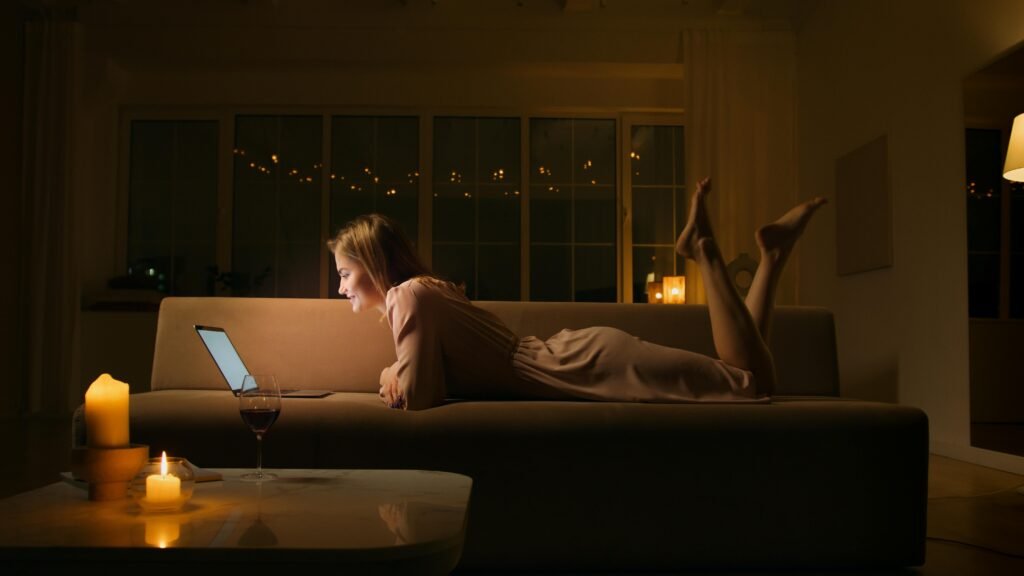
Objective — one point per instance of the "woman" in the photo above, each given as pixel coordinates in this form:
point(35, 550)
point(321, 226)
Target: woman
point(448, 348)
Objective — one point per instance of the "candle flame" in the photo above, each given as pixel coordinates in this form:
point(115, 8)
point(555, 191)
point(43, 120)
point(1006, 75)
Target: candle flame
point(163, 464)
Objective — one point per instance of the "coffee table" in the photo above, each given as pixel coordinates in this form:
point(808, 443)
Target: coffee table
point(359, 521)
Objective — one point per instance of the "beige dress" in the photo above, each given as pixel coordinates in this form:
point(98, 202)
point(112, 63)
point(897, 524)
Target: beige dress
point(449, 348)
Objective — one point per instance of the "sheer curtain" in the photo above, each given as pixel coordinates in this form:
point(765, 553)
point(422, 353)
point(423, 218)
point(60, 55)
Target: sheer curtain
point(741, 131)
point(48, 271)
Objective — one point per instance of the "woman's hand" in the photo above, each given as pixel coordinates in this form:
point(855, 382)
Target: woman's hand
point(390, 393)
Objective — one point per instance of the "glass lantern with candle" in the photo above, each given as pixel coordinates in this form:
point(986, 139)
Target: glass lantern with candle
point(164, 484)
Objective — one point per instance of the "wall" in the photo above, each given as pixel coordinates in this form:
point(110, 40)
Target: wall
point(12, 16)
point(543, 62)
point(896, 68)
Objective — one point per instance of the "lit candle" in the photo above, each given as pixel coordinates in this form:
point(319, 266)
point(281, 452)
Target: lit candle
point(163, 488)
point(106, 413)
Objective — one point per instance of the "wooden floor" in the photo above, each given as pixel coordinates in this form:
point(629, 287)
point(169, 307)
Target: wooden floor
point(975, 514)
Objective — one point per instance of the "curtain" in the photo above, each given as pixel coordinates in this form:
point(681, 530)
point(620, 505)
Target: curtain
point(741, 131)
point(48, 272)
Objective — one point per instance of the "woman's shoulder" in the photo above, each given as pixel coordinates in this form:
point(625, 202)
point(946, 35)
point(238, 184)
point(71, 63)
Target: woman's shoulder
point(421, 288)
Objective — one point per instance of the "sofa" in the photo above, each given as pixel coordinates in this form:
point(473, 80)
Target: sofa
point(809, 480)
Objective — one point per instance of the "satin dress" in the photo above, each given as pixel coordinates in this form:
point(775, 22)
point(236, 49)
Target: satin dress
point(448, 348)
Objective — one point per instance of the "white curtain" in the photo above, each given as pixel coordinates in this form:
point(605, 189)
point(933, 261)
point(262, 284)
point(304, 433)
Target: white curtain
point(49, 272)
point(741, 131)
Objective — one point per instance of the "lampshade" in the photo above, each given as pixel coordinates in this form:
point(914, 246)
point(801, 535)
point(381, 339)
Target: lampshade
point(1014, 167)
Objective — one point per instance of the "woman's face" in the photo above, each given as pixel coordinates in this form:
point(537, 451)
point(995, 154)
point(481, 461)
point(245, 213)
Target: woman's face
point(357, 286)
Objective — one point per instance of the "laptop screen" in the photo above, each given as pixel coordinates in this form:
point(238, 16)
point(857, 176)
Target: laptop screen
point(224, 354)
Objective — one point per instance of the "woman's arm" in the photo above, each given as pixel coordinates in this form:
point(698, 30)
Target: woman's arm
point(416, 380)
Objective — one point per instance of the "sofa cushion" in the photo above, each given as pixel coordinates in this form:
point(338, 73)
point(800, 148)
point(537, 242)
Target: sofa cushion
point(322, 344)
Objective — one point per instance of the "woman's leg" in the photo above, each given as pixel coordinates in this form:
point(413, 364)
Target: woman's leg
point(776, 241)
point(737, 339)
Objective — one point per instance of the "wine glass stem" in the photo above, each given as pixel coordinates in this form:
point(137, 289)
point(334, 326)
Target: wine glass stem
point(259, 455)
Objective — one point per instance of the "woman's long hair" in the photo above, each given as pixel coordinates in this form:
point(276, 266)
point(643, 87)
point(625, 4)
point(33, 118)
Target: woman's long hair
point(378, 244)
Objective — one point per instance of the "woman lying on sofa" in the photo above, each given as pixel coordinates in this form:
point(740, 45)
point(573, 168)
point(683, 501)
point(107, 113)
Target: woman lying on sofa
point(449, 348)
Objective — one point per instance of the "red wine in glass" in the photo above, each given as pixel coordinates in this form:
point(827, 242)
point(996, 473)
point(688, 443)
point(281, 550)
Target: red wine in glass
point(260, 419)
point(259, 404)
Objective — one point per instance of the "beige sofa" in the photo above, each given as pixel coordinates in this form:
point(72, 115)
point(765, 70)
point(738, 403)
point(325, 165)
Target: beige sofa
point(808, 480)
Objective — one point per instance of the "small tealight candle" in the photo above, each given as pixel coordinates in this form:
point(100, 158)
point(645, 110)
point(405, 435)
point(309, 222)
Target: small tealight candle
point(163, 488)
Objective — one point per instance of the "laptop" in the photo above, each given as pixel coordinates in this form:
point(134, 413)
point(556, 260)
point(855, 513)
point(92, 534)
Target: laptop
point(231, 365)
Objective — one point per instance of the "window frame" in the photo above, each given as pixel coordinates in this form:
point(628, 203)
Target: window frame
point(624, 120)
point(626, 183)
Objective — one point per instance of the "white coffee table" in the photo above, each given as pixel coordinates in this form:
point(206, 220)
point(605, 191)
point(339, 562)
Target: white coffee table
point(358, 521)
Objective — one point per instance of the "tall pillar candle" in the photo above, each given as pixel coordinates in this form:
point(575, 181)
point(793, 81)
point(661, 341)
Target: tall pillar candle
point(106, 413)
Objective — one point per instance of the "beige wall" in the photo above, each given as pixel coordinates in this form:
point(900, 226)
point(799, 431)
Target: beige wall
point(876, 67)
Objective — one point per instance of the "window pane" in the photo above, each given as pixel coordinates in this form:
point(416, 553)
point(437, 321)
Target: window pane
point(276, 224)
point(1017, 217)
point(573, 201)
point(595, 214)
point(551, 151)
point(595, 274)
point(984, 186)
point(458, 263)
point(550, 213)
point(499, 214)
point(374, 169)
point(499, 150)
point(983, 285)
point(454, 213)
point(498, 272)
point(173, 207)
point(477, 201)
point(653, 212)
point(550, 274)
point(594, 152)
point(655, 157)
point(650, 264)
point(455, 150)
point(658, 202)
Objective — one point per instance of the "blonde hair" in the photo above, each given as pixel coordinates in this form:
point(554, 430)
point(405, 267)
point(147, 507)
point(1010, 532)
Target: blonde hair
point(378, 244)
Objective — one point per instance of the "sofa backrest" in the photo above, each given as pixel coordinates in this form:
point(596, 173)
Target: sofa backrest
point(321, 343)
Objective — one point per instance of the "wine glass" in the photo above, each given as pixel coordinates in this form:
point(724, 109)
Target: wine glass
point(259, 403)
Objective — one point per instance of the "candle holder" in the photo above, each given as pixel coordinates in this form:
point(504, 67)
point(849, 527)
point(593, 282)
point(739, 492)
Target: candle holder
point(177, 468)
point(108, 470)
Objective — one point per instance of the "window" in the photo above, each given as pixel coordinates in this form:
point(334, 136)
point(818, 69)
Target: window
point(172, 207)
point(518, 206)
point(277, 205)
point(573, 248)
point(374, 168)
point(995, 230)
point(476, 203)
point(658, 202)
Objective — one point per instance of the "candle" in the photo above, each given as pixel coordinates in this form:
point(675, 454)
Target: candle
point(106, 413)
point(163, 488)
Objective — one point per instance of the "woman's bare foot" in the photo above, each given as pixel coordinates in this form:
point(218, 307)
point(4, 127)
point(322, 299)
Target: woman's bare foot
point(777, 239)
point(697, 225)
